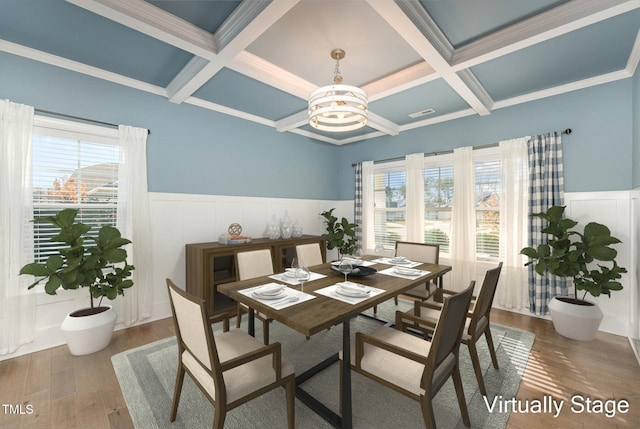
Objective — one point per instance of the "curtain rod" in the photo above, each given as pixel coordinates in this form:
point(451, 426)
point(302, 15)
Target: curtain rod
point(79, 118)
point(486, 146)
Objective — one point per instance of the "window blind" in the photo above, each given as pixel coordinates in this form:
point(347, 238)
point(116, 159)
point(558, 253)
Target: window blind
point(72, 170)
point(390, 200)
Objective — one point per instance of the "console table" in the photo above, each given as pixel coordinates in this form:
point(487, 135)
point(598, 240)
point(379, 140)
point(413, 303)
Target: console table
point(211, 264)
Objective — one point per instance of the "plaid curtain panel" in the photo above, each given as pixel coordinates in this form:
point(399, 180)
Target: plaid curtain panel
point(357, 206)
point(546, 189)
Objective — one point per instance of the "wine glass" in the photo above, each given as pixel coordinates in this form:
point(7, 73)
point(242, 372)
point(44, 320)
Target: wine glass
point(345, 268)
point(379, 249)
point(358, 253)
point(302, 276)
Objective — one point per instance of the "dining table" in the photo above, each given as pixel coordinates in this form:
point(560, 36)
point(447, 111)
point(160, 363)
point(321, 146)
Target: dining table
point(320, 307)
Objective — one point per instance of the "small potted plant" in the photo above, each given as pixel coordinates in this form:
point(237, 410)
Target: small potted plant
point(573, 254)
point(95, 261)
point(340, 235)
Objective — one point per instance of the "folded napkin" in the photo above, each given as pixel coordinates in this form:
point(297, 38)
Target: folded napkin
point(406, 271)
point(352, 287)
point(269, 289)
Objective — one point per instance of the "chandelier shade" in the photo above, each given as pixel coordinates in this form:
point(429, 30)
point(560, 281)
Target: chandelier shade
point(338, 107)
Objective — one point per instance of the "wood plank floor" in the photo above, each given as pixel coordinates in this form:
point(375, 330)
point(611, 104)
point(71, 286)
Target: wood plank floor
point(81, 392)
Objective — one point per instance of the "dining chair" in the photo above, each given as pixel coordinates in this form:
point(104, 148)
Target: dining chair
point(252, 264)
point(419, 252)
point(412, 366)
point(230, 367)
point(309, 253)
point(425, 315)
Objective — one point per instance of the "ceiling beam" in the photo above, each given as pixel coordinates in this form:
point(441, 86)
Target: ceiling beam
point(241, 29)
point(411, 21)
point(555, 22)
point(155, 22)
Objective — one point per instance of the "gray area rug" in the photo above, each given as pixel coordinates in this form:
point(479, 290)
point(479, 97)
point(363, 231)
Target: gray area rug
point(147, 376)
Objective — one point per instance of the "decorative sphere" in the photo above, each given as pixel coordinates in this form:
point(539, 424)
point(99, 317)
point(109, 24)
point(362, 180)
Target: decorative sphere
point(235, 229)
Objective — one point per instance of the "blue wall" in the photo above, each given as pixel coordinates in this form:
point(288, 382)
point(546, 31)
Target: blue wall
point(597, 155)
point(196, 151)
point(190, 149)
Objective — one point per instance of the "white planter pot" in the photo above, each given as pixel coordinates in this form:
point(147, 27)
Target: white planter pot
point(578, 322)
point(89, 334)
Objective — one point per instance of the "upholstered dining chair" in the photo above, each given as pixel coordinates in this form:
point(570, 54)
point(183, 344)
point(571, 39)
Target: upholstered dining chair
point(425, 315)
point(309, 253)
point(419, 252)
point(415, 367)
point(251, 264)
point(230, 367)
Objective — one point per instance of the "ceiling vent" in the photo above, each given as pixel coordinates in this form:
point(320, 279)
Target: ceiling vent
point(422, 113)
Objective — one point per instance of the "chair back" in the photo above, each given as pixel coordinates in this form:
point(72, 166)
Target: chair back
point(446, 339)
point(484, 301)
point(310, 254)
point(419, 252)
point(254, 263)
point(192, 328)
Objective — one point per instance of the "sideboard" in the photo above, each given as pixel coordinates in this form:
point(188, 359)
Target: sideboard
point(211, 264)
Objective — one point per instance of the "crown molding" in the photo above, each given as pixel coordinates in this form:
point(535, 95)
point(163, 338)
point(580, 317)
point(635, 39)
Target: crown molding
point(75, 66)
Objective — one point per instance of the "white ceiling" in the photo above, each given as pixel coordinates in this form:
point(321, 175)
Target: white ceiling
point(258, 60)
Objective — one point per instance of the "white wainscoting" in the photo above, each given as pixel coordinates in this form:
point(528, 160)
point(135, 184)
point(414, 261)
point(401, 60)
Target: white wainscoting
point(178, 219)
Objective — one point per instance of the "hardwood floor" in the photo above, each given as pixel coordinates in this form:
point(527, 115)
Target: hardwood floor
point(66, 391)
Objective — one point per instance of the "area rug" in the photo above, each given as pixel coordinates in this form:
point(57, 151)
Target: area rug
point(147, 375)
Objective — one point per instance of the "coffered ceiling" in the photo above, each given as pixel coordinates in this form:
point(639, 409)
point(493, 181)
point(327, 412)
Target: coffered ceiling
point(259, 60)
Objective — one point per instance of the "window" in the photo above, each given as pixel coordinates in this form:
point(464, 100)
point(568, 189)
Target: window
point(438, 202)
point(487, 208)
point(74, 166)
point(390, 199)
point(390, 202)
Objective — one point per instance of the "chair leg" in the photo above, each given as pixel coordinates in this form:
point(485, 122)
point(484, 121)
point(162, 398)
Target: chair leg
point(492, 350)
point(457, 383)
point(238, 316)
point(427, 412)
point(176, 392)
point(473, 352)
point(265, 331)
point(218, 417)
point(291, 403)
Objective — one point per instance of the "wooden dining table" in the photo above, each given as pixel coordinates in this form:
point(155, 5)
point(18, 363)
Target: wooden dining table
point(322, 312)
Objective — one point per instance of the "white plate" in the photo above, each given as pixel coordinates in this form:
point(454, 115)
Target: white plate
point(352, 294)
point(399, 261)
point(280, 294)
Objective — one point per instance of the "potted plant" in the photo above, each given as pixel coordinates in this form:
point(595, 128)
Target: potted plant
point(340, 235)
point(573, 254)
point(95, 261)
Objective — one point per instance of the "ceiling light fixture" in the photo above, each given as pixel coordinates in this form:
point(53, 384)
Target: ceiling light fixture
point(338, 107)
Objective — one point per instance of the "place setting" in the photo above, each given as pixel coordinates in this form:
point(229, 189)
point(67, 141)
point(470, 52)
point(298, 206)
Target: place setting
point(276, 295)
point(297, 275)
point(347, 291)
point(404, 272)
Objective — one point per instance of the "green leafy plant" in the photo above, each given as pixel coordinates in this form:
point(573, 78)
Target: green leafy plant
point(340, 235)
point(86, 260)
point(570, 253)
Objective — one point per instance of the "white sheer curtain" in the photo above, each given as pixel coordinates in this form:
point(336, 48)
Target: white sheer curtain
point(368, 239)
point(512, 290)
point(17, 304)
point(134, 224)
point(415, 197)
point(463, 219)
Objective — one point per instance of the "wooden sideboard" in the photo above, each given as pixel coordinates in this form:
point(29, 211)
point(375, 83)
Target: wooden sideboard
point(211, 264)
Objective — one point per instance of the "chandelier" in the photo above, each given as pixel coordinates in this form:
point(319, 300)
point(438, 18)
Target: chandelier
point(338, 107)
